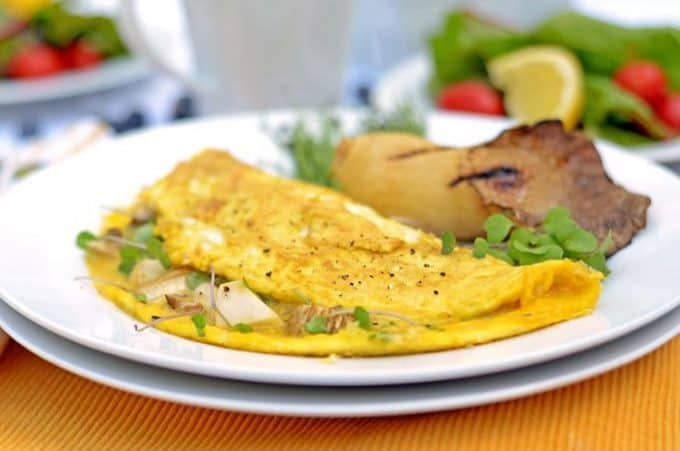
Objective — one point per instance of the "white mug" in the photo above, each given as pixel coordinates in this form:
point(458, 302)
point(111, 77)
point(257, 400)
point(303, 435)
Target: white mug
point(256, 54)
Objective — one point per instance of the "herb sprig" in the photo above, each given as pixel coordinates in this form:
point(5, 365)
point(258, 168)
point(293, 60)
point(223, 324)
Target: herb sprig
point(558, 237)
point(312, 145)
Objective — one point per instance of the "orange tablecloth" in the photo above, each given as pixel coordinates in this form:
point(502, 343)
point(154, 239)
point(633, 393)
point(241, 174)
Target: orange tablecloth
point(636, 407)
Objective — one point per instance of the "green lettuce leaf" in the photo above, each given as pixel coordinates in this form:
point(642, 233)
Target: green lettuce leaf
point(616, 115)
point(459, 50)
point(603, 47)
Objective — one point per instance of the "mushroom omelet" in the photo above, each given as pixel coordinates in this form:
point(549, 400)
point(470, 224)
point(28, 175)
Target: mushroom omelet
point(224, 253)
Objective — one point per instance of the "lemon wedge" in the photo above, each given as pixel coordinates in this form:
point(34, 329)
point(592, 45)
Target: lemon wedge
point(540, 82)
point(23, 9)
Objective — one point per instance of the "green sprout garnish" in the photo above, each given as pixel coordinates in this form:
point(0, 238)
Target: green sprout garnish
point(497, 228)
point(155, 249)
point(362, 317)
point(558, 237)
point(196, 278)
point(316, 325)
point(243, 328)
point(141, 297)
point(448, 243)
point(143, 233)
point(84, 238)
point(129, 255)
point(480, 247)
point(200, 323)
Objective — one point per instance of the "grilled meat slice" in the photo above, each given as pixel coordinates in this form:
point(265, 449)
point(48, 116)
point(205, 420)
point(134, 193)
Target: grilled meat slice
point(529, 169)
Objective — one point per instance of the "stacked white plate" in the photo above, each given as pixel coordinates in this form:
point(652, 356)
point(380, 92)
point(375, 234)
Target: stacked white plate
point(70, 325)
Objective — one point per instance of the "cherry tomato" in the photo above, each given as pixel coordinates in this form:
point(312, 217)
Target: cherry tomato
point(473, 96)
point(668, 110)
point(645, 79)
point(80, 54)
point(37, 60)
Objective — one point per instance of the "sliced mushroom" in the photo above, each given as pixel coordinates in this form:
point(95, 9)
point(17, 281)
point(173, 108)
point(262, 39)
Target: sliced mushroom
point(202, 294)
point(146, 270)
point(169, 283)
point(142, 213)
point(237, 304)
point(183, 302)
point(335, 321)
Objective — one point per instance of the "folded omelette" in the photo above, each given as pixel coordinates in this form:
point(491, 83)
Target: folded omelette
point(322, 265)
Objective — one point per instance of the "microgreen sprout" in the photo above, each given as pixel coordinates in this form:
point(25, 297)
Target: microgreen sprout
point(84, 238)
point(448, 243)
point(155, 249)
point(316, 325)
point(196, 278)
point(243, 328)
point(558, 237)
point(142, 244)
point(200, 323)
point(363, 318)
point(143, 233)
point(376, 313)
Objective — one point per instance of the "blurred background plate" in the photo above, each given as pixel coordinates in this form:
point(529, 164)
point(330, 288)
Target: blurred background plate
point(407, 82)
point(111, 74)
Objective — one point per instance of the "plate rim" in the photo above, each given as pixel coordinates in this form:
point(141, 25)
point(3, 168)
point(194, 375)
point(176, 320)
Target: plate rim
point(291, 377)
point(604, 364)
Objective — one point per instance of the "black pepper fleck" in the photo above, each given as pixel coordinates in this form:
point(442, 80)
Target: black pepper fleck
point(412, 251)
point(436, 292)
point(442, 274)
point(268, 274)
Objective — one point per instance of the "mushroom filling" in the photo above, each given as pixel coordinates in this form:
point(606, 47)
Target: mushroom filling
point(207, 298)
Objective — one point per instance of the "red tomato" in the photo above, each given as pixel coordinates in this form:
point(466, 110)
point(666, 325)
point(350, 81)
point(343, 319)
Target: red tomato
point(668, 110)
point(473, 96)
point(37, 60)
point(80, 54)
point(645, 79)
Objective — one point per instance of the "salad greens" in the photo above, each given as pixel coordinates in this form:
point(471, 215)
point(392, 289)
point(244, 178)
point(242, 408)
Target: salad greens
point(59, 27)
point(465, 43)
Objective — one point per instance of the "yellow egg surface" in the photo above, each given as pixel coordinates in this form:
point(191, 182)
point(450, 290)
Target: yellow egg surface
point(298, 243)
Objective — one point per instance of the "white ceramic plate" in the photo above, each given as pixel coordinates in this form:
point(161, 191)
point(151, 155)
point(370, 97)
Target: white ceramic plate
point(112, 73)
point(40, 216)
point(333, 401)
point(407, 82)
